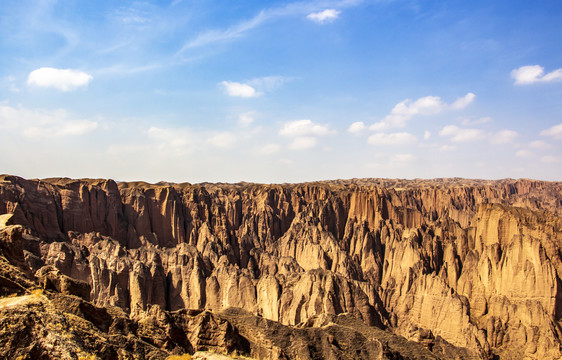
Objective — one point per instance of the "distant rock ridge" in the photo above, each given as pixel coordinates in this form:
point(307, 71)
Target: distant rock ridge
point(474, 262)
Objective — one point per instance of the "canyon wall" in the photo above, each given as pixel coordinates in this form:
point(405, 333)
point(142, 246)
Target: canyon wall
point(475, 263)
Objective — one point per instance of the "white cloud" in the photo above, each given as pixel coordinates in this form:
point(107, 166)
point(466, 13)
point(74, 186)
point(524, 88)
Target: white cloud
point(555, 131)
point(357, 127)
point(43, 123)
point(463, 102)
point(462, 135)
point(60, 79)
point(449, 130)
point(534, 73)
point(400, 138)
point(406, 109)
point(222, 140)
point(238, 89)
point(304, 132)
point(428, 105)
point(325, 16)
point(303, 143)
point(524, 154)
point(504, 137)
point(254, 87)
point(426, 135)
point(304, 128)
point(246, 119)
point(381, 125)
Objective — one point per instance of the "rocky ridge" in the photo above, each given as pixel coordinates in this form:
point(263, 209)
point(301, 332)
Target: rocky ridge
point(469, 266)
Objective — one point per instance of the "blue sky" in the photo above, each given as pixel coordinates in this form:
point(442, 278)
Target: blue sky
point(281, 91)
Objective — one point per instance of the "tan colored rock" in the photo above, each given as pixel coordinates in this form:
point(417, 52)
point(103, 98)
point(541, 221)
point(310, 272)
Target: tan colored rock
point(476, 263)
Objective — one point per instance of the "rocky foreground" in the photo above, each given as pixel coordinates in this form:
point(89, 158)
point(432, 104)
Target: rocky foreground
point(355, 269)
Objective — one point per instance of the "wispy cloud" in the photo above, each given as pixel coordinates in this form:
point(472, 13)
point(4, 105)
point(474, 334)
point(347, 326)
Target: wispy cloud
point(269, 83)
point(137, 15)
point(60, 79)
point(220, 35)
point(292, 9)
point(531, 74)
point(325, 16)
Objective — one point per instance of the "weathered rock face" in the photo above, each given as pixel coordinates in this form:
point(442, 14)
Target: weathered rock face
point(476, 263)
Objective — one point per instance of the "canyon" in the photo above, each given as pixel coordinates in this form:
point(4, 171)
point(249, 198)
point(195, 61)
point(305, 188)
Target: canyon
point(361, 268)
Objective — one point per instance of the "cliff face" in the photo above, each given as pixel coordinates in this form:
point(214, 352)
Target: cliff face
point(476, 263)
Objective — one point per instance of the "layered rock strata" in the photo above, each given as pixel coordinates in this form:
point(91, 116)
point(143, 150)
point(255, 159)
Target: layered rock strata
point(475, 263)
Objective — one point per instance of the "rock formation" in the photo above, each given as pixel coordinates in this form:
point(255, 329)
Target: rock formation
point(456, 268)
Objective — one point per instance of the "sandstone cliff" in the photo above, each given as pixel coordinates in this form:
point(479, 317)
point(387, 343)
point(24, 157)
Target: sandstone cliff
point(475, 263)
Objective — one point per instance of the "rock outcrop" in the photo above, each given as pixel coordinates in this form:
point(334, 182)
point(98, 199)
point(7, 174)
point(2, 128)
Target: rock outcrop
point(471, 269)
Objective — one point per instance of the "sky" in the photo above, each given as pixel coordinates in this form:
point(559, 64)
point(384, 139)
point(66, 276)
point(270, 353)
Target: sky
point(281, 91)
